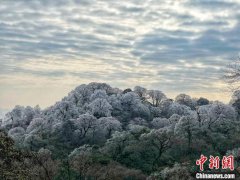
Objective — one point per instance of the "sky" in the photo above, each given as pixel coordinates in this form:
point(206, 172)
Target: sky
point(47, 48)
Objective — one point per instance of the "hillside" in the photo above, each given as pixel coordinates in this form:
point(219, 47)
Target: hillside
point(131, 133)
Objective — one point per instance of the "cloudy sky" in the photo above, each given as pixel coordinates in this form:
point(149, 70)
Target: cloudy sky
point(48, 47)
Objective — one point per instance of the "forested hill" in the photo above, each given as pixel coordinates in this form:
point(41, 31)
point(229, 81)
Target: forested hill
point(102, 131)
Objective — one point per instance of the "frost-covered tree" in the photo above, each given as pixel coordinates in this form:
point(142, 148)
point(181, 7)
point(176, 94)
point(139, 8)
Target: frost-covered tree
point(235, 96)
point(64, 110)
point(156, 111)
point(202, 101)
point(139, 121)
point(159, 140)
point(235, 101)
point(98, 94)
point(86, 124)
point(133, 107)
point(85, 149)
point(165, 106)
point(76, 98)
point(101, 86)
point(17, 134)
point(119, 140)
point(37, 110)
point(137, 130)
point(116, 144)
point(37, 124)
point(218, 124)
point(155, 97)
point(158, 123)
point(109, 125)
point(29, 114)
point(141, 110)
point(140, 91)
point(33, 141)
point(128, 102)
point(63, 134)
point(20, 116)
point(126, 91)
point(115, 101)
point(187, 127)
point(217, 117)
point(186, 100)
point(174, 119)
point(126, 147)
point(14, 117)
point(100, 108)
point(80, 95)
point(176, 108)
point(129, 99)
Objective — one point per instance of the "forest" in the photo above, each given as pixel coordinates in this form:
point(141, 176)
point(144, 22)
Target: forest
point(100, 132)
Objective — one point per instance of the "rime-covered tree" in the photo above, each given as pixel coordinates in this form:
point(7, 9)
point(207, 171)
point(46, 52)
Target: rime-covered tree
point(65, 110)
point(98, 94)
point(14, 117)
point(185, 100)
point(155, 97)
point(176, 108)
point(158, 123)
point(86, 124)
point(116, 103)
point(109, 125)
point(141, 92)
point(158, 141)
point(235, 101)
point(218, 124)
point(133, 107)
point(37, 124)
point(164, 107)
point(138, 121)
point(100, 108)
point(187, 127)
point(17, 134)
point(217, 117)
point(202, 101)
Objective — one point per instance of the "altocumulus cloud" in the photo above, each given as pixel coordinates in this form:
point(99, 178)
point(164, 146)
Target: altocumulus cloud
point(176, 46)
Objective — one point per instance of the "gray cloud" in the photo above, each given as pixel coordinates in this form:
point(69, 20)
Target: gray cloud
point(165, 47)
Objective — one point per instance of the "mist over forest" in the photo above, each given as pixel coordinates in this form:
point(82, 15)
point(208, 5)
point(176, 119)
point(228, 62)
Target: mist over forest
point(101, 132)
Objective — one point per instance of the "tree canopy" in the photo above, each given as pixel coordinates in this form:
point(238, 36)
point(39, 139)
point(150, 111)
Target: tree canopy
point(101, 132)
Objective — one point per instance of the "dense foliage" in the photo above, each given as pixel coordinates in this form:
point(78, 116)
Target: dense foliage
point(105, 133)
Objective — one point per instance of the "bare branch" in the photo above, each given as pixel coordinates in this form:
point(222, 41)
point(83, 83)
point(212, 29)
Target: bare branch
point(232, 74)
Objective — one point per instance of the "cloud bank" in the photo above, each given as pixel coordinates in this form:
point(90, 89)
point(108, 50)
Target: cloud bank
point(49, 47)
